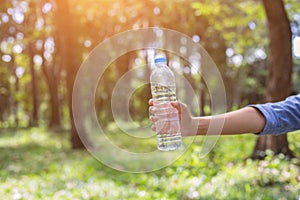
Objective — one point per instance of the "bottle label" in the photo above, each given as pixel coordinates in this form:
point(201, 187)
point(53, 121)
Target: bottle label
point(162, 93)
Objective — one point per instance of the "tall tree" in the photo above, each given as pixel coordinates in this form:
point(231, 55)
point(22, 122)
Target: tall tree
point(279, 72)
point(52, 78)
point(70, 57)
point(34, 119)
point(50, 68)
point(30, 20)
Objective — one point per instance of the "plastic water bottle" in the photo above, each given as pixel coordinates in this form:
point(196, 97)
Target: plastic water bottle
point(163, 91)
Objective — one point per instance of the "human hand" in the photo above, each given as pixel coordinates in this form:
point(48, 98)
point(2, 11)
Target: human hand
point(188, 124)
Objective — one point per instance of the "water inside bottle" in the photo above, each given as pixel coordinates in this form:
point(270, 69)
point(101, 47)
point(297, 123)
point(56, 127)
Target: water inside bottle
point(168, 133)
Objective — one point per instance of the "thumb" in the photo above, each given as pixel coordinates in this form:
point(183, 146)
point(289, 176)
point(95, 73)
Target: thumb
point(176, 105)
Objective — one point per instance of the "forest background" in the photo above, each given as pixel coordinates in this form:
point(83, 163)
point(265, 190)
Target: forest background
point(255, 45)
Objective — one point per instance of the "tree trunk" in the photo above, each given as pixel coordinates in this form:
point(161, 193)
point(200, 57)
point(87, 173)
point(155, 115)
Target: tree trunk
point(202, 97)
point(16, 102)
point(55, 120)
point(16, 91)
point(34, 117)
point(279, 72)
point(52, 79)
point(52, 74)
point(52, 82)
point(71, 61)
point(122, 67)
point(218, 55)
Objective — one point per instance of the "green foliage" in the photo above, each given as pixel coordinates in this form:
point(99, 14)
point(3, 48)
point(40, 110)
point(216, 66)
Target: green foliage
point(38, 164)
point(219, 25)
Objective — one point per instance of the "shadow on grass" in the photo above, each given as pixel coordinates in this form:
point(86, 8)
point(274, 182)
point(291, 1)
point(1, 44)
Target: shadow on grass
point(32, 158)
point(29, 158)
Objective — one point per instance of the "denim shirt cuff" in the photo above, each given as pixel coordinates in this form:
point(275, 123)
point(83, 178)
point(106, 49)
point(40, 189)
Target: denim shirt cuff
point(271, 126)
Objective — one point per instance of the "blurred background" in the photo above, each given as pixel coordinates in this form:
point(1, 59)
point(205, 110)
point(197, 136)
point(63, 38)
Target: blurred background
point(255, 45)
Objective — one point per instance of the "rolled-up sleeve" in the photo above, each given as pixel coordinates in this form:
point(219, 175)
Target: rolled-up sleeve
point(281, 117)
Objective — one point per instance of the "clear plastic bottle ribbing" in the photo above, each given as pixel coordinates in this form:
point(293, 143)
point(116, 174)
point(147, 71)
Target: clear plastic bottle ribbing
point(163, 89)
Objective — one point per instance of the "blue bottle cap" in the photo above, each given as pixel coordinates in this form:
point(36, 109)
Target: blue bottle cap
point(160, 60)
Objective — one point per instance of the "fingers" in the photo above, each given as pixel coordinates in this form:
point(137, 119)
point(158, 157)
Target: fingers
point(176, 105)
point(153, 119)
point(169, 127)
point(152, 109)
point(150, 102)
point(153, 127)
point(160, 112)
point(166, 111)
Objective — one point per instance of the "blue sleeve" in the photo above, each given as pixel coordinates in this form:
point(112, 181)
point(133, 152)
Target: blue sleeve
point(281, 117)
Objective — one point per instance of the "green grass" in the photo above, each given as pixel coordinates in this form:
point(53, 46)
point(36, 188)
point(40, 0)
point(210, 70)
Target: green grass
point(39, 164)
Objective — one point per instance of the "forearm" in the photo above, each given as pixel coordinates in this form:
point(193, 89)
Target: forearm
point(245, 120)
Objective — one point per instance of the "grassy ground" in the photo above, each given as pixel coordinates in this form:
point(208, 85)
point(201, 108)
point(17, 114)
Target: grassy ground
point(38, 164)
